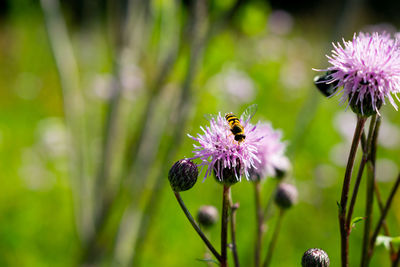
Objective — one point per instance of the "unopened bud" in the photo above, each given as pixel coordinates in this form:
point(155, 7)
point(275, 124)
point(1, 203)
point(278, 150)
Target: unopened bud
point(365, 107)
point(286, 195)
point(207, 216)
point(183, 175)
point(227, 176)
point(315, 257)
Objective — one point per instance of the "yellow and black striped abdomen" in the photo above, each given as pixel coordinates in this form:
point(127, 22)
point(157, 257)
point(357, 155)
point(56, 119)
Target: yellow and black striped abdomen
point(236, 127)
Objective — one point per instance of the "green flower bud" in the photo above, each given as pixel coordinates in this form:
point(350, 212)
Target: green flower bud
point(183, 175)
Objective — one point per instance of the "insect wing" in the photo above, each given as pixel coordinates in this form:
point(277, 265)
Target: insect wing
point(249, 113)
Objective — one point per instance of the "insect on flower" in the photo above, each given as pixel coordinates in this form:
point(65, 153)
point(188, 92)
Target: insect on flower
point(228, 147)
point(235, 126)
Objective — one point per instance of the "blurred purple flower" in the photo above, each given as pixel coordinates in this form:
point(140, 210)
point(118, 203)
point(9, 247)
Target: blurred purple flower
point(368, 68)
point(271, 152)
point(219, 151)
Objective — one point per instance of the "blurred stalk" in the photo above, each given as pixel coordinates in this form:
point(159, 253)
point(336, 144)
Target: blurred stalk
point(233, 210)
point(345, 191)
point(73, 106)
point(259, 224)
point(104, 194)
point(177, 125)
point(392, 253)
point(274, 239)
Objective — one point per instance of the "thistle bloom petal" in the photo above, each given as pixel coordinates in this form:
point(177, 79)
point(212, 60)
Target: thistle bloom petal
point(368, 69)
point(271, 153)
point(218, 150)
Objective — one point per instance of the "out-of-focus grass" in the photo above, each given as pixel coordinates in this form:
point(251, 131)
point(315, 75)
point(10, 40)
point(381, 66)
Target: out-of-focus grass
point(36, 207)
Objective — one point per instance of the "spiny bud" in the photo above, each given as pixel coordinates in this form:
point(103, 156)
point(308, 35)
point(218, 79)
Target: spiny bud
point(286, 195)
point(230, 176)
point(207, 216)
point(315, 257)
point(183, 175)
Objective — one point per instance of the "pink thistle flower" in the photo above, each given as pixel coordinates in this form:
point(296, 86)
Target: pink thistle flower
point(271, 152)
point(221, 154)
point(368, 69)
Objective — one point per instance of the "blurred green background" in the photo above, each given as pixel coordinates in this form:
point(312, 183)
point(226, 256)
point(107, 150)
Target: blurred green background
point(96, 100)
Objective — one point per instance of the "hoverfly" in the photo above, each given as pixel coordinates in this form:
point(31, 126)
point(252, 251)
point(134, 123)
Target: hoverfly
point(325, 84)
point(236, 124)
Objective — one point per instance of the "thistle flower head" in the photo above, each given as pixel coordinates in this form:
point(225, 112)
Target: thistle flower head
point(271, 152)
point(315, 257)
point(221, 154)
point(368, 69)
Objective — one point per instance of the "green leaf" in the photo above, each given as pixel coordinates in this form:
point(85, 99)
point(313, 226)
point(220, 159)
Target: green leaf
point(386, 240)
point(209, 260)
point(356, 220)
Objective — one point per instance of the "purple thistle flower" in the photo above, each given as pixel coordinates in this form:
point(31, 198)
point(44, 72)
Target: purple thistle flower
point(271, 152)
point(219, 152)
point(368, 69)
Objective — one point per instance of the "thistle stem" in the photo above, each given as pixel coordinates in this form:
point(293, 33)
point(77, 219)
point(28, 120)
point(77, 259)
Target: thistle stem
point(259, 222)
point(234, 208)
point(224, 225)
point(197, 228)
point(382, 218)
point(345, 191)
point(267, 211)
point(274, 239)
point(370, 190)
point(366, 146)
point(392, 253)
point(397, 260)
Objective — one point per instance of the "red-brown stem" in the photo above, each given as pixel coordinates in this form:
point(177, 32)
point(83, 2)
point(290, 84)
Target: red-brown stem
point(224, 225)
point(196, 227)
point(345, 191)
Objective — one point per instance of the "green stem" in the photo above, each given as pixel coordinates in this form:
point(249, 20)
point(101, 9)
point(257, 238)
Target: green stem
point(369, 196)
point(366, 146)
point(392, 253)
point(382, 218)
point(224, 225)
point(196, 227)
point(259, 224)
point(274, 239)
point(345, 191)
